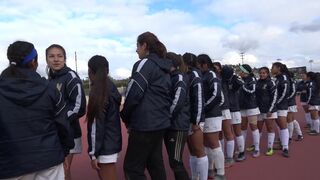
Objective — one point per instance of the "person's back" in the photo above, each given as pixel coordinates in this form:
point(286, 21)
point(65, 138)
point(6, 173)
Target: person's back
point(30, 122)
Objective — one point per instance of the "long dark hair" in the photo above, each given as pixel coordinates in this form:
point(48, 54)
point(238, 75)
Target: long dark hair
point(153, 44)
point(203, 59)
point(177, 61)
point(315, 77)
point(283, 68)
point(58, 47)
point(16, 53)
point(266, 69)
point(99, 89)
point(190, 60)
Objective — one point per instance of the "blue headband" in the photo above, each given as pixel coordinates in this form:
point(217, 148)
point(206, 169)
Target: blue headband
point(30, 56)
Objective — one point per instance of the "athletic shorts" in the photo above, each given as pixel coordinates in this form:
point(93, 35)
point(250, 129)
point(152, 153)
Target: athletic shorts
point(312, 108)
point(77, 146)
point(250, 112)
point(213, 124)
point(190, 132)
point(52, 173)
point(303, 103)
point(235, 117)
point(292, 109)
point(226, 114)
point(263, 116)
point(106, 159)
point(282, 113)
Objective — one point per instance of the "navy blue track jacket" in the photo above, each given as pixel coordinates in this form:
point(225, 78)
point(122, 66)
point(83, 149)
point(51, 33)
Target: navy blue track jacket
point(266, 93)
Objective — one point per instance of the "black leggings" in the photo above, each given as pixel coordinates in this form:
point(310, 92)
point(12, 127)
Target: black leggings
point(144, 151)
point(175, 141)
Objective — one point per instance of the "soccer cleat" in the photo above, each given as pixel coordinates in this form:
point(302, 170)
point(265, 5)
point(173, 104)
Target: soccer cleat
point(256, 154)
point(313, 133)
point(228, 162)
point(219, 177)
point(269, 152)
point(299, 138)
point(285, 153)
point(251, 148)
point(241, 157)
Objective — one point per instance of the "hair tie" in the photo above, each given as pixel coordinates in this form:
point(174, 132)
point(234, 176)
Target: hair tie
point(30, 57)
point(13, 63)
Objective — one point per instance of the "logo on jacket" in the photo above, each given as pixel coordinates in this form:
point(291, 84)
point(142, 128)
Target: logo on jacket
point(264, 86)
point(59, 85)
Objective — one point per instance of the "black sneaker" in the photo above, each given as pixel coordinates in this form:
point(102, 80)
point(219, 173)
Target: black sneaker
point(313, 133)
point(285, 153)
point(241, 157)
point(299, 138)
point(290, 140)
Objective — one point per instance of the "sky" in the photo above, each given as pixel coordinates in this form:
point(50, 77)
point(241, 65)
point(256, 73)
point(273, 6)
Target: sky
point(265, 30)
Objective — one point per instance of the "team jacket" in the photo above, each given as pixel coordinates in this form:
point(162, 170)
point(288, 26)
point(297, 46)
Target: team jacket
point(247, 95)
point(180, 107)
point(313, 96)
point(34, 134)
point(292, 93)
point(213, 94)
point(148, 101)
point(230, 89)
point(283, 88)
point(266, 93)
point(104, 135)
point(69, 84)
point(302, 88)
point(196, 96)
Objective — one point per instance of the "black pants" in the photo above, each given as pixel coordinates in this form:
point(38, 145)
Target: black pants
point(175, 141)
point(144, 151)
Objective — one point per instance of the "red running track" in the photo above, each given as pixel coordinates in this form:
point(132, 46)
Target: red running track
point(303, 164)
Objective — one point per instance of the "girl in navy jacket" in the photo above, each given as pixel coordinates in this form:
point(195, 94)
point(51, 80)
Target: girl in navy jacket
point(266, 93)
point(34, 135)
point(176, 136)
point(302, 88)
point(231, 85)
point(214, 98)
point(198, 157)
point(70, 85)
point(249, 107)
point(280, 72)
point(313, 95)
point(104, 129)
point(146, 110)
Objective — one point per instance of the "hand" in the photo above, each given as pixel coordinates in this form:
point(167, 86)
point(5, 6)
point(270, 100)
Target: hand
point(94, 164)
point(195, 127)
point(269, 114)
point(65, 164)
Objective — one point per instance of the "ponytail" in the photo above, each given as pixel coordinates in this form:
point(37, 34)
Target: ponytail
point(153, 44)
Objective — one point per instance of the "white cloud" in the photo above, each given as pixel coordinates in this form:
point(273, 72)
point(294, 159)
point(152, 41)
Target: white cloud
point(122, 73)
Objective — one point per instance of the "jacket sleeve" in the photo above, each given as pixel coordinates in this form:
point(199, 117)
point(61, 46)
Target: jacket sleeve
point(76, 106)
point(136, 89)
point(180, 94)
point(274, 94)
point(215, 89)
point(63, 126)
point(309, 92)
point(250, 87)
point(284, 92)
point(236, 83)
point(293, 88)
point(196, 100)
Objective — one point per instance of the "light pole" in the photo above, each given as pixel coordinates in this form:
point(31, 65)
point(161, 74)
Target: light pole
point(310, 61)
point(242, 56)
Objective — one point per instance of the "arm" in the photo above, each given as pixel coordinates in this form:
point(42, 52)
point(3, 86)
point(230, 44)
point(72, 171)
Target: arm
point(196, 100)
point(309, 92)
point(76, 106)
point(284, 92)
point(274, 94)
point(236, 83)
point(136, 89)
point(250, 87)
point(179, 97)
point(215, 88)
point(293, 90)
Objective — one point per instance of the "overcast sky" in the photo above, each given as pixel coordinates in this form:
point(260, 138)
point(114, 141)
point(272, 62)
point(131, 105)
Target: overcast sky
point(265, 30)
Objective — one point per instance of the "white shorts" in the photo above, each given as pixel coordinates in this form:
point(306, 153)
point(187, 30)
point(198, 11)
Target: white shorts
point(106, 159)
point(77, 146)
point(190, 132)
point(52, 173)
point(213, 124)
point(263, 116)
point(226, 114)
point(282, 113)
point(312, 108)
point(292, 109)
point(303, 103)
point(235, 117)
point(250, 112)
